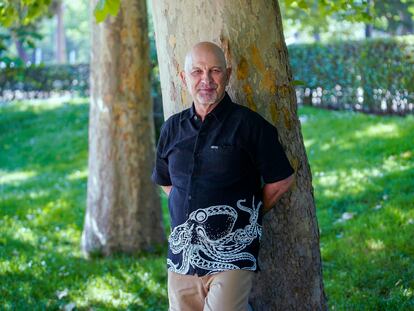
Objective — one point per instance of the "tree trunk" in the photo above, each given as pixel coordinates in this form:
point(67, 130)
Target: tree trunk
point(60, 34)
point(250, 32)
point(368, 26)
point(123, 212)
point(20, 49)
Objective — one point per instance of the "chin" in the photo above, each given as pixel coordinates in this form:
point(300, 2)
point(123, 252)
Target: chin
point(207, 100)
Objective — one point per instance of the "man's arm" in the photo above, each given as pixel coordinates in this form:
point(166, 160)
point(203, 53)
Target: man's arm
point(166, 189)
point(272, 192)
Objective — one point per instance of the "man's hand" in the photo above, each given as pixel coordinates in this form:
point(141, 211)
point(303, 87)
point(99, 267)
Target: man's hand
point(167, 189)
point(272, 192)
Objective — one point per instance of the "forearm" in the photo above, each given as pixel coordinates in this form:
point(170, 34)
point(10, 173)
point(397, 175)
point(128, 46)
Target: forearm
point(272, 192)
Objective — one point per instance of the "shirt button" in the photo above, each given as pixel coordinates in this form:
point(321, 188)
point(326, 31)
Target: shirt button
point(195, 118)
point(189, 197)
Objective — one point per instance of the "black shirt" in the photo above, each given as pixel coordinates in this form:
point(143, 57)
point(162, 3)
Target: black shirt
point(216, 169)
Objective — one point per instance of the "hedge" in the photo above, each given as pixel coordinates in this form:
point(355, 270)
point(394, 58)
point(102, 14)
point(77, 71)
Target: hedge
point(375, 76)
point(42, 81)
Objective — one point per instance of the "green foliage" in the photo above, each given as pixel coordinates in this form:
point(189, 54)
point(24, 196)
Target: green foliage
point(20, 20)
point(372, 75)
point(366, 172)
point(316, 15)
point(394, 17)
point(22, 12)
point(42, 80)
point(106, 7)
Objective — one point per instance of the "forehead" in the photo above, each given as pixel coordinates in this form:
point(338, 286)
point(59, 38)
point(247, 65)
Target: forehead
point(206, 57)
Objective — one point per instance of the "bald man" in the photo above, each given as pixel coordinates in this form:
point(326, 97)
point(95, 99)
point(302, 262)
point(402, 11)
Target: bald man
point(222, 167)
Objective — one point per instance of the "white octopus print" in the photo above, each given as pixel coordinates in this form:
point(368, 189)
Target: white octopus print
point(192, 239)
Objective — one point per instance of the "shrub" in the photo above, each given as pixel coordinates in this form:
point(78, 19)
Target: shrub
point(42, 81)
point(375, 76)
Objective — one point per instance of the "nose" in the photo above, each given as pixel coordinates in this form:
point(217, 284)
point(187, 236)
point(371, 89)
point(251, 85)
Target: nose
point(206, 77)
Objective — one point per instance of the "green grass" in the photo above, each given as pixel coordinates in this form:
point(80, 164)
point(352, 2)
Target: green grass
point(43, 173)
point(364, 165)
point(361, 164)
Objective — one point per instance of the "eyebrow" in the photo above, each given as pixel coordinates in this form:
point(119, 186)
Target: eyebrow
point(214, 67)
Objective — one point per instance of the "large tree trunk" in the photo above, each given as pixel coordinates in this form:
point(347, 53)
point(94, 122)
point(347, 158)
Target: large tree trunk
point(123, 212)
point(60, 34)
point(251, 35)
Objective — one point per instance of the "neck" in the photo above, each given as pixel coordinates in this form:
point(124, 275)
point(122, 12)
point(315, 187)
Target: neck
point(203, 110)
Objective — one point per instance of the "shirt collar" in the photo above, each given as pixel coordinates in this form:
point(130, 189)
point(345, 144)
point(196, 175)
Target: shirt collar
point(219, 112)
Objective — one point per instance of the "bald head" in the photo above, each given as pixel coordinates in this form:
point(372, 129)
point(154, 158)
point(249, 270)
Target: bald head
point(204, 48)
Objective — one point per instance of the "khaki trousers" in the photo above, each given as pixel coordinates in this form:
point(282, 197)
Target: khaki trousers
point(223, 291)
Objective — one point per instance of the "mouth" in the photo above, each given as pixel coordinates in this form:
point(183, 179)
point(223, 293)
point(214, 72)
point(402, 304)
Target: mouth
point(207, 90)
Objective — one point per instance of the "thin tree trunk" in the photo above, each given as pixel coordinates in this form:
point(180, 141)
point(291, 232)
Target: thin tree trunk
point(123, 212)
point(368, 26)
point(20, 49)
point(250, 32)
point(60, 34)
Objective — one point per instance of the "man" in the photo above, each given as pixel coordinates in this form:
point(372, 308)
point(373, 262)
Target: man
point(212, 160)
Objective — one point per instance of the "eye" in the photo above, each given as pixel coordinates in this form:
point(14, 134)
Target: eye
point(196, 71)
point(216, 70)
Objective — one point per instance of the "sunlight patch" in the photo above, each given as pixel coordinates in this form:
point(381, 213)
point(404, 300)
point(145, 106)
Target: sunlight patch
point(375, 245)
point(15, 177)
point(104, 291)
point(78, 174)
point(379, 130)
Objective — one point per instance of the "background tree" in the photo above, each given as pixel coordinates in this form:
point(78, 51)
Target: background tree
point(60, 38)
point(20, 23)
point(251, 35)
point(123, 206)
point(394, 17)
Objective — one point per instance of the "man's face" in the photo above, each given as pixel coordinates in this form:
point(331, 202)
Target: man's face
point(206, 77)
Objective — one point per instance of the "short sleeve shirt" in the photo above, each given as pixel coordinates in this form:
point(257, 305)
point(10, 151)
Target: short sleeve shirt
point(216, 169)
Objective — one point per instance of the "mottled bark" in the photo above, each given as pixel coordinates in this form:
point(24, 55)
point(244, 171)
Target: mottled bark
point(250, 32)
point(123, 212)
point(60, 34)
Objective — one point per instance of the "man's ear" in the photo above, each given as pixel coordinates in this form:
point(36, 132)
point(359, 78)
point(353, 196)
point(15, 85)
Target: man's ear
point(228, 71)
point(182, 77)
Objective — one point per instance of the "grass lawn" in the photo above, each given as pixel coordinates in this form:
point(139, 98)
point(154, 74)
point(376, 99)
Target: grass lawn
point(363, 168)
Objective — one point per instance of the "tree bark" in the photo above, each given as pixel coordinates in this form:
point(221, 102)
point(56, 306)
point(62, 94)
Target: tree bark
point(60, 34)
point(250, 32)
point(123, 207)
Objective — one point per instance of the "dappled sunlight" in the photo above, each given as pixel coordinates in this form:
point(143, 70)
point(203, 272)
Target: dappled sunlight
point(67, 240)
point(149, 282)
point(379, 130)
point(308, 143)
point(353, 180)
point(15, 177)
point(109, 291)
point(78, 174)
point(45, 104)
point(24, 234)
point(375, 245)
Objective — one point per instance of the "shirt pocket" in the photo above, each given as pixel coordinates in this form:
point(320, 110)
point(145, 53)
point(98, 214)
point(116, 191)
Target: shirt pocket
point(222, 164)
